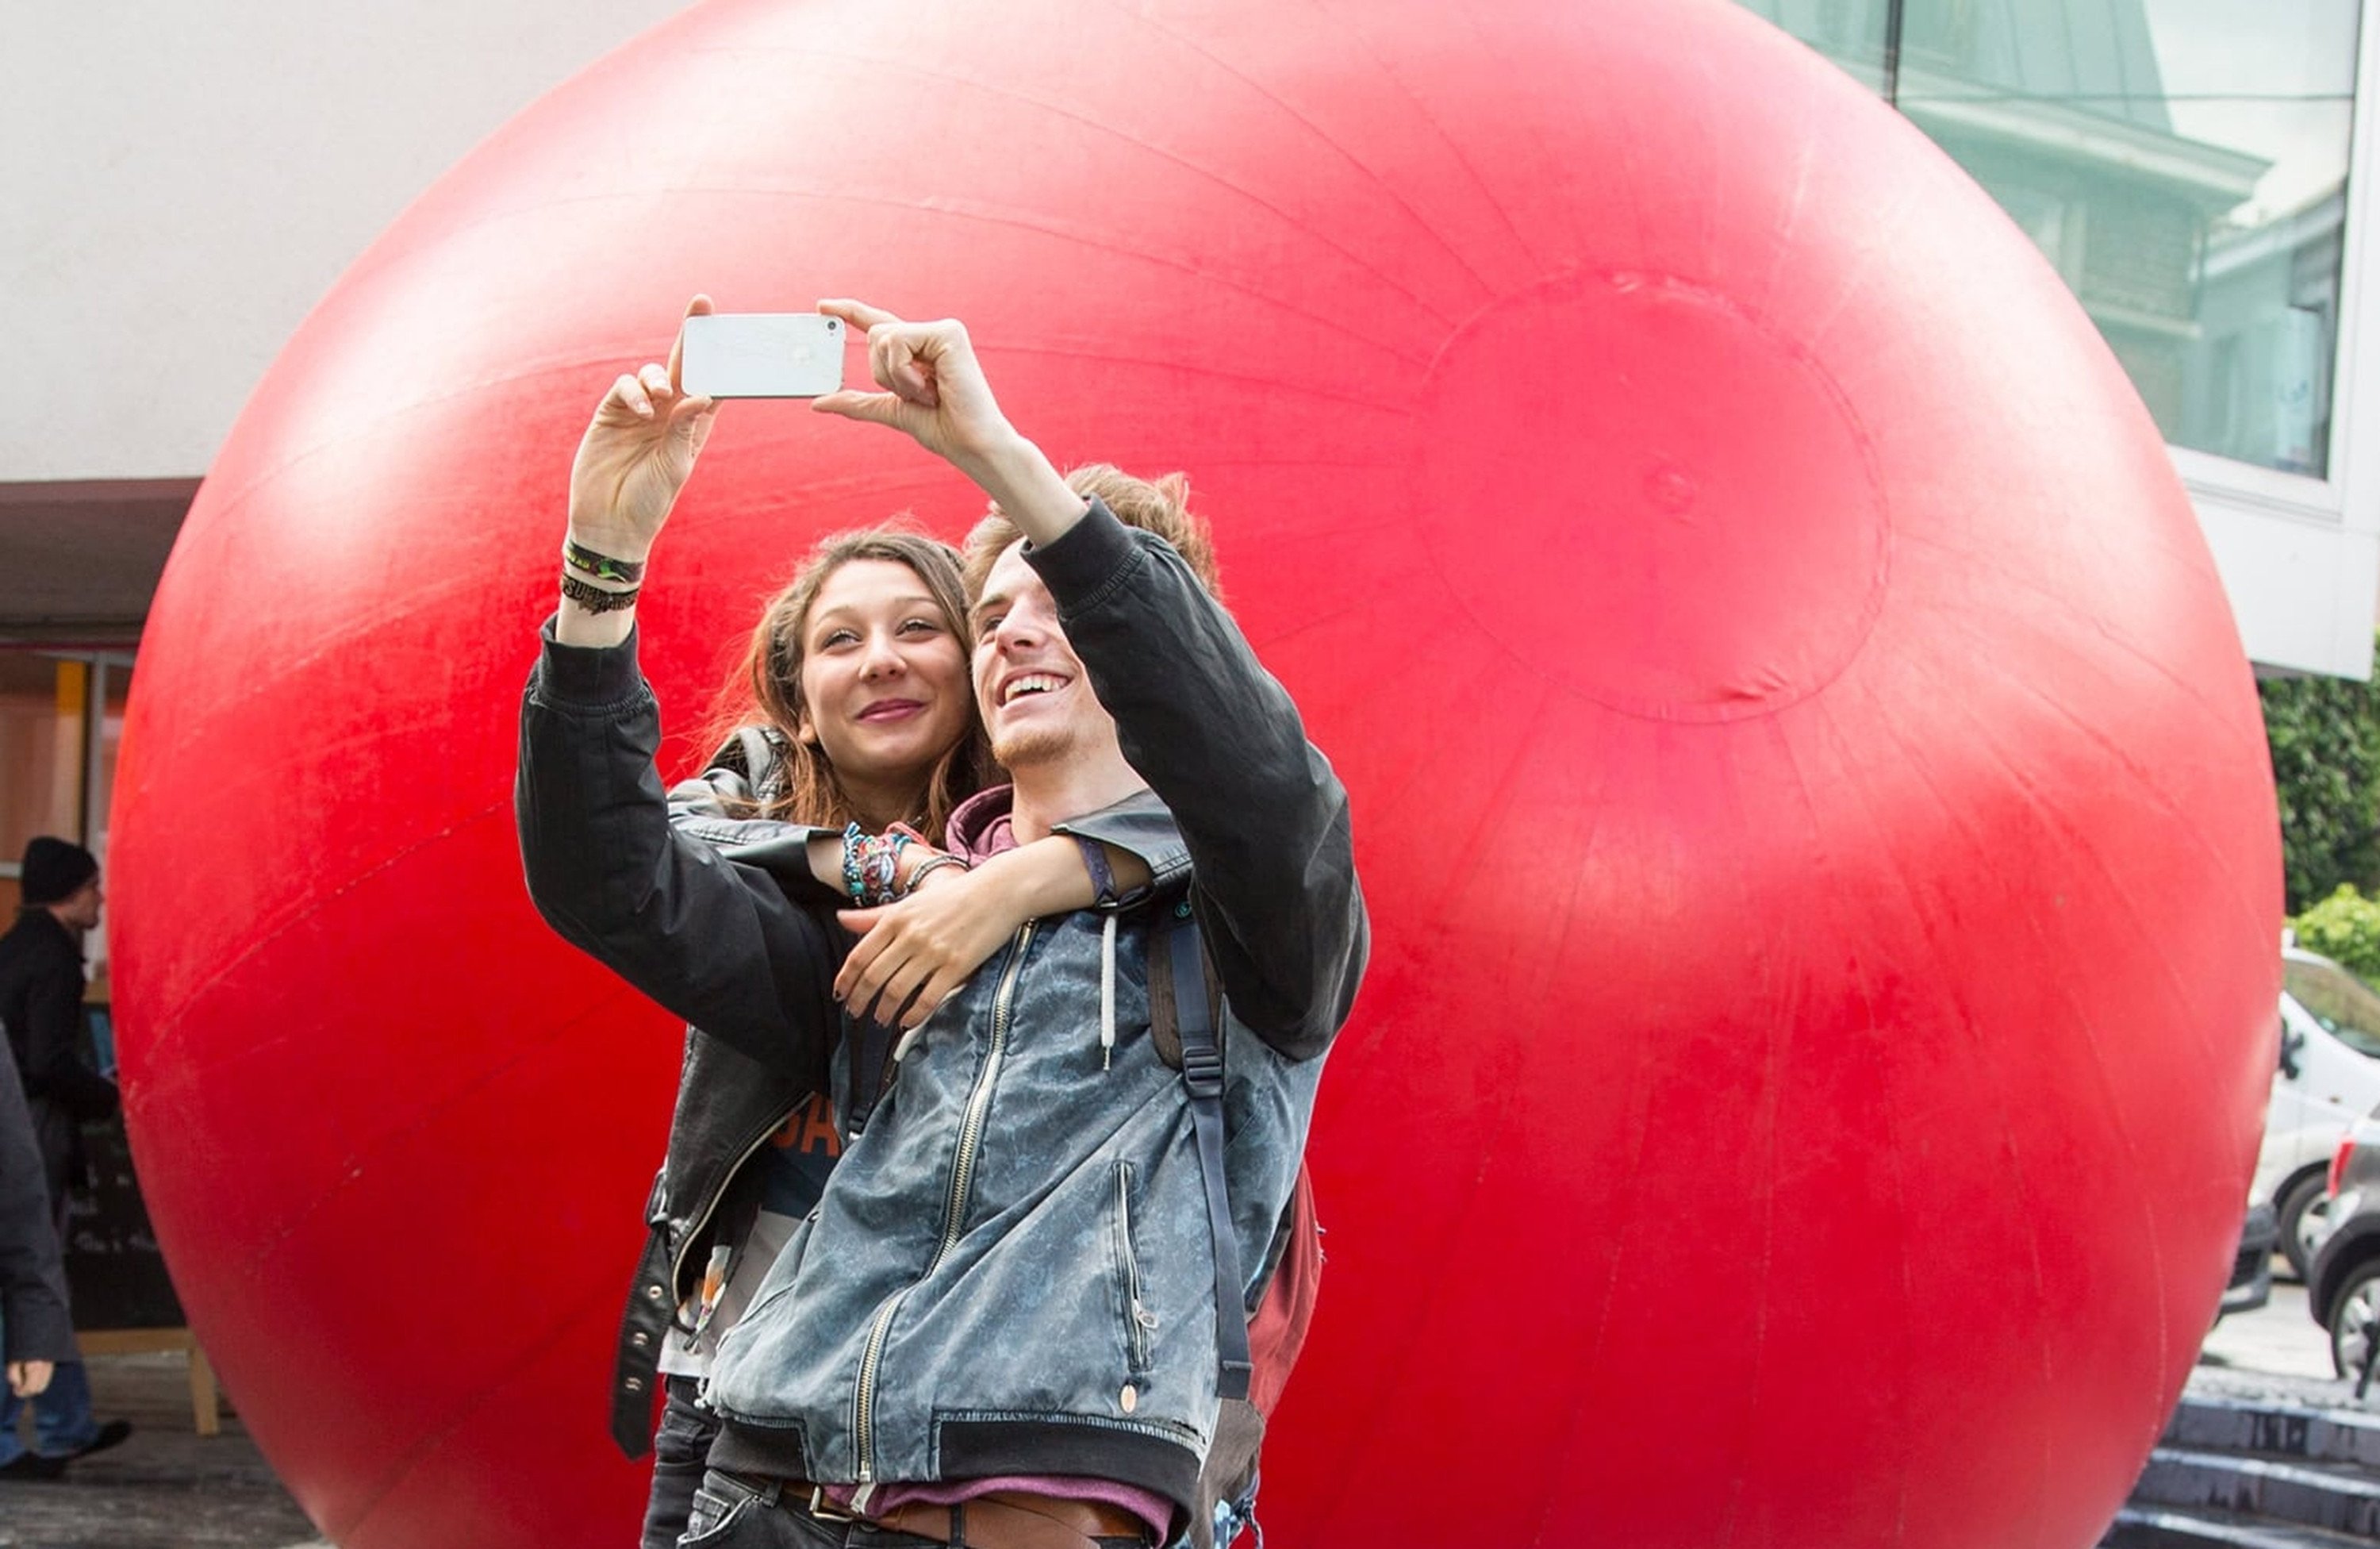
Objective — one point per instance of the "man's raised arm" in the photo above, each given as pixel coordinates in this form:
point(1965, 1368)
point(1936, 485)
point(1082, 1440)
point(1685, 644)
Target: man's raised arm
point(1197, 716)
point(1220, 741)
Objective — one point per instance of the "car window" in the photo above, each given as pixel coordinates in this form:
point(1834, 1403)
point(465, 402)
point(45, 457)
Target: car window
point(2340, 1002)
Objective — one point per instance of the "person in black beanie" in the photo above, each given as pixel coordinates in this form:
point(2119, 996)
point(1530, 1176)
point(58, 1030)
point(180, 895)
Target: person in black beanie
point(41, 1003)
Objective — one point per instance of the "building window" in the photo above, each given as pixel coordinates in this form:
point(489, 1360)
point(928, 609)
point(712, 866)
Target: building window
point(61, 725)
point(2183, 163)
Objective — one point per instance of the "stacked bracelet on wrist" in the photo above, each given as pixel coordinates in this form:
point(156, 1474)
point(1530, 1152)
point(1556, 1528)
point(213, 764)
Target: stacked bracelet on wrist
point(582, 567)
point(871, 865)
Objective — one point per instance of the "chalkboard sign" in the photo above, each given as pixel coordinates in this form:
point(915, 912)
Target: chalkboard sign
point(114, 1270)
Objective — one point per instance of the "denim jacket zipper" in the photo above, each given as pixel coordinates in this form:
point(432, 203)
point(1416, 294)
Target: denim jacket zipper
point(954, 1208)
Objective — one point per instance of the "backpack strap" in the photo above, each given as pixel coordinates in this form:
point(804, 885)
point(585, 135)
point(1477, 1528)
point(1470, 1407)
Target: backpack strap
point(1202, 1072)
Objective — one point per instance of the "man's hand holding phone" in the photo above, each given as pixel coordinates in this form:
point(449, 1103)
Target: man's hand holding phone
point(934, 390)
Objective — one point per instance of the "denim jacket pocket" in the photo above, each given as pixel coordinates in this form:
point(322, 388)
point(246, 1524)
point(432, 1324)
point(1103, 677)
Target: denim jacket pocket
point(1137, 1321)
point(779, 1276)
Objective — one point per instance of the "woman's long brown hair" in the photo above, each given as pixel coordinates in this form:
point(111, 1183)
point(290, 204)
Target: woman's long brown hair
point(767, 687)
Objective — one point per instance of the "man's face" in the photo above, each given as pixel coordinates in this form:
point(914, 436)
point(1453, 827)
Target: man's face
point(1036, 702)
point(80, 910)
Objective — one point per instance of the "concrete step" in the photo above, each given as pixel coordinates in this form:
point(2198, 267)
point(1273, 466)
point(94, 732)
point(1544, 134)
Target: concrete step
point(2336, 1497)
point(2138, 1526)
point(2216, 1424)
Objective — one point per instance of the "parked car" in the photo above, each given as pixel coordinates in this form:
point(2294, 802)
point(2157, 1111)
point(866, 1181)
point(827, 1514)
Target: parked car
point(2252, 1267)
point(2328, 1078)
point(2343, 1282)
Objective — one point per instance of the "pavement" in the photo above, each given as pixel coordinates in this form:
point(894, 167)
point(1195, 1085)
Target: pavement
point(165, 1488)
point(170, 1488)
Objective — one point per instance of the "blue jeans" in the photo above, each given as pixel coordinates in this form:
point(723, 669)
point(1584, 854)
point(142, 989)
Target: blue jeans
point(680, 1447)
point(62, 1418)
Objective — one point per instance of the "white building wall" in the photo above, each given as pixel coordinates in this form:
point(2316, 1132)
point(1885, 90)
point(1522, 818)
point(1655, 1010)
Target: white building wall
point(180, 182)
point(2302, 587)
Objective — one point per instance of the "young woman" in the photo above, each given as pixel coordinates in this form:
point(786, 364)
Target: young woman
point(864, 724)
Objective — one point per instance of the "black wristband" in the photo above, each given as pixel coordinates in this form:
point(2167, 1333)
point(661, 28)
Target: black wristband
point(602, 567)
point(595, 599)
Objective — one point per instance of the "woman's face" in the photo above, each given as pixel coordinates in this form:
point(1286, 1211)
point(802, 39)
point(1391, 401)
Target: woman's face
point(884, 682)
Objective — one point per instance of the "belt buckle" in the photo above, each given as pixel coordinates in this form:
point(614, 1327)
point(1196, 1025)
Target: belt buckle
point(826, 1510)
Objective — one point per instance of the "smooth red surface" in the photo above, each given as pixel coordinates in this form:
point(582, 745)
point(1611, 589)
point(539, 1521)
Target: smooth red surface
point(1808, 788)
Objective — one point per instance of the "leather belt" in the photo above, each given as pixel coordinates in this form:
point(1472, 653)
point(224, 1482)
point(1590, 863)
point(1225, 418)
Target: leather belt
point(1002, 1519)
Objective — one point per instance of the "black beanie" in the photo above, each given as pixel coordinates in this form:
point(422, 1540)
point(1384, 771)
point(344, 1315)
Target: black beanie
point(54, 869)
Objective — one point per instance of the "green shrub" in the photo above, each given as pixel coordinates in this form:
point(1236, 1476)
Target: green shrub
point(2324, 738)
point(2345, 928)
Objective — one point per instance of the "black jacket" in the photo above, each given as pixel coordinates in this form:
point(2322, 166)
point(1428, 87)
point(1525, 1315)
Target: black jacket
point(33, 1315)
point(728, 1103)
point(41, 1004)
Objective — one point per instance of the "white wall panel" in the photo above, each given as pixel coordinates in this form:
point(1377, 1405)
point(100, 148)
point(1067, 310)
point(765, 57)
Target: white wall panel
point(180, 183)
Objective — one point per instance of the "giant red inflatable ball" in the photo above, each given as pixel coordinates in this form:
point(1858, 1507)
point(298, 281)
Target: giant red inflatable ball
point(1810, 796)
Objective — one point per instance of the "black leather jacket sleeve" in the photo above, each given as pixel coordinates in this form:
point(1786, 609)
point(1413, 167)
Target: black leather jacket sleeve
point(1219, 739)
point(715, 942)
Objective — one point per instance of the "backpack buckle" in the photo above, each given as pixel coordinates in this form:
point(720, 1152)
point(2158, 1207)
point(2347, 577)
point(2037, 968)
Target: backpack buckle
point(1202, 1069)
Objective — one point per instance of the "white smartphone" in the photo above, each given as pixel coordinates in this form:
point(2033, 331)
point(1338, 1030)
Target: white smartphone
point(762, 355)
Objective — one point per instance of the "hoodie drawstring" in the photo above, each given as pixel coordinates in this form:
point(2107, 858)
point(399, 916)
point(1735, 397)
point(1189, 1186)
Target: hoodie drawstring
point(1107, 990)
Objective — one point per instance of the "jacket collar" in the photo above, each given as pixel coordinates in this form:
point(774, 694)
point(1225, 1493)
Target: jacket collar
point(37, 920)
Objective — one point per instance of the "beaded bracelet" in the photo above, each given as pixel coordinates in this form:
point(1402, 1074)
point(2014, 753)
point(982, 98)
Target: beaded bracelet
point(884, 868)
point(853, 839)
point(602, 567)
point(871, 865)
point(596, 599)
point(918, 872)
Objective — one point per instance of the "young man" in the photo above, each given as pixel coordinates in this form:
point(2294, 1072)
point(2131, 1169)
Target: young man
point(41, 1003)
point(1000, 1326)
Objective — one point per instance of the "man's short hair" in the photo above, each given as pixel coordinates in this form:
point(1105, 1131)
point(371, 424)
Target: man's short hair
point(1160, 505)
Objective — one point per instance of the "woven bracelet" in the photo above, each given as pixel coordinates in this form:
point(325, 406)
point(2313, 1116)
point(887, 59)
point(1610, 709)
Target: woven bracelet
point(918, 872)
point(883, 867)
point(871, 865)
point(595, 599)
point(601, 567)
